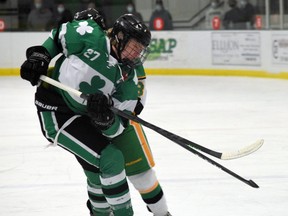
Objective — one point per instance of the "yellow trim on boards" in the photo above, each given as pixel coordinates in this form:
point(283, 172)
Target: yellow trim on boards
point(216, 72)
point(9, 71)
point(181, 71)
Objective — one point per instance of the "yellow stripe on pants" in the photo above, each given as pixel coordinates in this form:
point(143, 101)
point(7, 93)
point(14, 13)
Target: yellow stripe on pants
point(144, 144)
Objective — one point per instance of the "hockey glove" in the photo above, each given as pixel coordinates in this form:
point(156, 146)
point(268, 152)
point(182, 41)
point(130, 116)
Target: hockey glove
point(98, 109)
point(37, 63)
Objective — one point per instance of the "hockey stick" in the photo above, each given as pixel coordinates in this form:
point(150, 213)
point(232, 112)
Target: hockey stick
point(177, 139)
point(173, 137)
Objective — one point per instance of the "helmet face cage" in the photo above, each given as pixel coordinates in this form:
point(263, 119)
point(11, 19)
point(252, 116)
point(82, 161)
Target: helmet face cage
point(135, 55)
point(126, 28)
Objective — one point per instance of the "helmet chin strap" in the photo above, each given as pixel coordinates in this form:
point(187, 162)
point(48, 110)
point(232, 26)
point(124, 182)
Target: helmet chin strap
point(116, 47)
point(114, 51)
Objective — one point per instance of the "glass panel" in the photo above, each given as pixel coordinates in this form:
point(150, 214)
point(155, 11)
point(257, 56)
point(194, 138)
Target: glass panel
point(285, 14)
point(274, 14)
point(186, 14)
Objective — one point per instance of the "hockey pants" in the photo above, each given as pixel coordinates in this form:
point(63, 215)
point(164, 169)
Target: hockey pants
point(102, 162)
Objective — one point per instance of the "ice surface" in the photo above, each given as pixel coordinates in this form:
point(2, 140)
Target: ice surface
point(221, 113)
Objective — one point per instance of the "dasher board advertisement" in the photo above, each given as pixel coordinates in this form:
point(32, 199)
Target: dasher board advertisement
point(279, 48)
point(236, 48)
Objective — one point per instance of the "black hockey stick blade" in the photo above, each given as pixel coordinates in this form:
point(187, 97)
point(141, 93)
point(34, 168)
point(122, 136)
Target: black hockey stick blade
point(253, 184)
point(248, 182)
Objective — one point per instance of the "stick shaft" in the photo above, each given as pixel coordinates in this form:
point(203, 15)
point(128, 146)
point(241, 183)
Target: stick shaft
point(175, 138)
point(165, 133)
point(63, 87)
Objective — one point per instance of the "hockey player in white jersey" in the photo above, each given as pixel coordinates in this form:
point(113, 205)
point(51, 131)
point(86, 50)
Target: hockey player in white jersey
point(89, 129)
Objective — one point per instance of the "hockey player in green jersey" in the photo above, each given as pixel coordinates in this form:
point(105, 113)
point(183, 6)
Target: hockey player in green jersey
point(134, 145)
point(85, 128)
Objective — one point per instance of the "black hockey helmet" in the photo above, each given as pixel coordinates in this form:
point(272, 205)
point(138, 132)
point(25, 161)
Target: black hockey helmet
point(91, 13)
point(129, 27)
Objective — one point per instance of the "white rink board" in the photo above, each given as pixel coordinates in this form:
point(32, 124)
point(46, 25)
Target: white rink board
point(240, 50)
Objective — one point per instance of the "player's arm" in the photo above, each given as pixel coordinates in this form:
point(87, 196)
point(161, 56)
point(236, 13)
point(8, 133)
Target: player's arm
point(124, 97)
point(53, 44)
point(98, 108)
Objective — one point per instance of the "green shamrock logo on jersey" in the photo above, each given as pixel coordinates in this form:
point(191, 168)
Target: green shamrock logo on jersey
point(96, 84)
point(83, 28)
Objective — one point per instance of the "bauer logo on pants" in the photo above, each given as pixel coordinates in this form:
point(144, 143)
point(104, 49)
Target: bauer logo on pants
point(45, 106)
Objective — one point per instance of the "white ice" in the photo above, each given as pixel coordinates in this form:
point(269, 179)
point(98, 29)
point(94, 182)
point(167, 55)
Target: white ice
point(221, 113)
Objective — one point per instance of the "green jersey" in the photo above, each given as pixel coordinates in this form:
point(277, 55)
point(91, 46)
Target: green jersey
point(87, 65)
point(141, 84)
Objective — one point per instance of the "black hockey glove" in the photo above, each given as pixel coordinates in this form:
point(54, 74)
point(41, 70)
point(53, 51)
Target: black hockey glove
point(98, 109)
point(37, 63)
